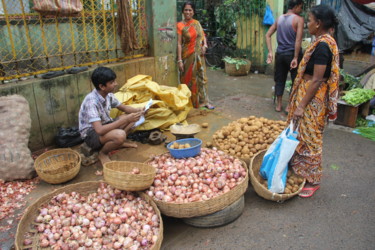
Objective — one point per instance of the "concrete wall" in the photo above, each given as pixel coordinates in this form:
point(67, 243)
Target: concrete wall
point(163, 40)
point(55, 102)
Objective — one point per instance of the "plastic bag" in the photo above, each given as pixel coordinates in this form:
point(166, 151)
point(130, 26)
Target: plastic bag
point(275, 161)
point(268, 16)
point(68, 137)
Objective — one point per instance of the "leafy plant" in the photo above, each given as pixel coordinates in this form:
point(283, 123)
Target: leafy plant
point(237, 61)
point(352, 81)
point(358, 96)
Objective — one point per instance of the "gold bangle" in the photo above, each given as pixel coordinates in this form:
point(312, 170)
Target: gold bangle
point(179, 61)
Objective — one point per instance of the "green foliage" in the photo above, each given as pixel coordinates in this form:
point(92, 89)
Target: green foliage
point(288, 85)
point(368, 132)
point(237, 61)
point(358, 96)
point(361, 122)
point(228, 13)
point(352, 81)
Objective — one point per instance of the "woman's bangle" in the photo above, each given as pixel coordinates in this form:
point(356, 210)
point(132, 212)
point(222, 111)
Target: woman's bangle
point(179, 61)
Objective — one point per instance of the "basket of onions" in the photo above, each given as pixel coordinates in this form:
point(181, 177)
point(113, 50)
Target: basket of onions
point(260, 186)
point(58, 165)
point(197, 186)
point(91, 215)
point(128, 176)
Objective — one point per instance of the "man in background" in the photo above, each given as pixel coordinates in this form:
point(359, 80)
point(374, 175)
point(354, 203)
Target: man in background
point(289, 28)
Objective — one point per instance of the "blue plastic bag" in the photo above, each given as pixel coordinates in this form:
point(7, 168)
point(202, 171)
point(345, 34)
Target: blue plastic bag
point(268, 16)
point(275, 161)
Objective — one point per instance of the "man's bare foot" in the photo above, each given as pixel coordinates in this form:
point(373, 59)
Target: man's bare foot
point(103, 158)
point(129, 145)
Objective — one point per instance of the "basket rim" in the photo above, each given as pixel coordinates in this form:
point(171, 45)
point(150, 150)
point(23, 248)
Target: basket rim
point(47, 197)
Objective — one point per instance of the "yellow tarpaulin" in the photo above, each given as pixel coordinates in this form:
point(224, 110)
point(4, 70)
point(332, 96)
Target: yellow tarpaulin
point(171, 105)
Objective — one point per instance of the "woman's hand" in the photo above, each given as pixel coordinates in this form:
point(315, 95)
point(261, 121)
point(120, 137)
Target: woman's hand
point(204, 49)
point(298, 113)
point(181, 66)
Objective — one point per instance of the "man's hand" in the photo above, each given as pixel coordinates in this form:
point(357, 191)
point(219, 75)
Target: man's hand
point(294, 63)
point(269, 58)
point(132, 117)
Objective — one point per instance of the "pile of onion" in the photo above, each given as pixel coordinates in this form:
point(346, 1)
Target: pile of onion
point(209, 174)
point(107, 219)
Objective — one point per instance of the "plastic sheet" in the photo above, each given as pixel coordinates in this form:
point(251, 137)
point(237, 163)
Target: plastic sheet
point(170, 104)
point(356, 24)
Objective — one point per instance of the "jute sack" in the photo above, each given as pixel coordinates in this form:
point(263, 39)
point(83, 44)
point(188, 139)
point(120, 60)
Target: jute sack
point(15, 157)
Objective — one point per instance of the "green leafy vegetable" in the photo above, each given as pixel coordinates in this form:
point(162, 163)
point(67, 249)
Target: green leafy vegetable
point(368, 132)
point(358, 96)
point(352, 81)
point(237, 61)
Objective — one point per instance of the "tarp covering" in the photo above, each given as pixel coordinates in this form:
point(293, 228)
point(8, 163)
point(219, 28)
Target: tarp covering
point(356, 23)
point(170, 104)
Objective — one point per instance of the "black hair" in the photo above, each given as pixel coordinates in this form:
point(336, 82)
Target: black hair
point(326, 15)
point(294, 3)
point(188, 3)
point(102, 75)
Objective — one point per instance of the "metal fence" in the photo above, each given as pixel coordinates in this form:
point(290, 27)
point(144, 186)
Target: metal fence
point(32, 44)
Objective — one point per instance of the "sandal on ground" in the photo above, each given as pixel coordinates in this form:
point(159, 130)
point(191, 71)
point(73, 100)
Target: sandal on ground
point(208, 106)
point(307, 192)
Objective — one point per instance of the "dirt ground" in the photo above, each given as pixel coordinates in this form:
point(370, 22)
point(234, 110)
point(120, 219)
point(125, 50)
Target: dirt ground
point(340, 216)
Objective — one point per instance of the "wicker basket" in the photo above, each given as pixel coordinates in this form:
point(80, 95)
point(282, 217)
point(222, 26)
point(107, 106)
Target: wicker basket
point(58, 165)
point(254, 167)
point(83, 188)
point(200, 208)
point(243, 70)
point(118, 174)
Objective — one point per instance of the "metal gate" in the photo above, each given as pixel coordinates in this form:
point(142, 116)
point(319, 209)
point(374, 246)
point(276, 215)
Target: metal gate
point(31, 43)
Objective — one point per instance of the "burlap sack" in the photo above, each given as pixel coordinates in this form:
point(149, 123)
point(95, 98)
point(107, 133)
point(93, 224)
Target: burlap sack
point(15, 157)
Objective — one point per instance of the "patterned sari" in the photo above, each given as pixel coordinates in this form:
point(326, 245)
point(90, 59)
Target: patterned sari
point(307, 160)
point(194, 75)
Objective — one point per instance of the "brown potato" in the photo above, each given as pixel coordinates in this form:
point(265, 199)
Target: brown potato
point(287, 191)
point(290, 181)
point(204, 125)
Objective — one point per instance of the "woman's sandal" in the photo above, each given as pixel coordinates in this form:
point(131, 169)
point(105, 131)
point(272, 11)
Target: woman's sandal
point(208, 106)
point(307, 192)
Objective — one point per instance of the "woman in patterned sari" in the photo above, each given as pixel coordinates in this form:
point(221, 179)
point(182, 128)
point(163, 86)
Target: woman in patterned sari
point(314, 97)
point(191, 48)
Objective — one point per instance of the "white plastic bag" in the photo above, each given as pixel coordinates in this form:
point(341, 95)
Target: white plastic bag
point(275, 161)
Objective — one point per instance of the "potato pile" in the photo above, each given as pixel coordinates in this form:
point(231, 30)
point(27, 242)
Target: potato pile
point(293, 182)
point(247, 136)
point(176, 145)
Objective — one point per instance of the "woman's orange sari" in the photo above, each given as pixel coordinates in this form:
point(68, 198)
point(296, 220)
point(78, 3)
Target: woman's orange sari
point(307, 160)
point(194, 75)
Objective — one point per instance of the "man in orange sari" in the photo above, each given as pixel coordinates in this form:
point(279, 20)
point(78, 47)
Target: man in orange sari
point(314, 97)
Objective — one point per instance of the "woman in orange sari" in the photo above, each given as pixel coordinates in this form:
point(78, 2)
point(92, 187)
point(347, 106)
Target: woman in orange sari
point(314, 97)
point(191, 48)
